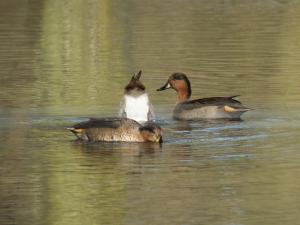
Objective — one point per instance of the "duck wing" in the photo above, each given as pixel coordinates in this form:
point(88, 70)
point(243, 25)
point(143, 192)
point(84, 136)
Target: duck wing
point(100, 123)
point(214, 101)
point(229, 103)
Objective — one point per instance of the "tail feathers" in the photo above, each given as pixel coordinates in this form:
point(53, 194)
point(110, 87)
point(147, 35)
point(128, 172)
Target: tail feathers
point(234, 96)
point(74, 130)
point(79, 133)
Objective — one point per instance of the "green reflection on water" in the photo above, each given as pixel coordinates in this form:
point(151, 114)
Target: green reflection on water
point(78, 45)
point(72, 58)
point(85, 190)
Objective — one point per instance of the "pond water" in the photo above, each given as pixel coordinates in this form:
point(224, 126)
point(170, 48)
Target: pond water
point(64, 61)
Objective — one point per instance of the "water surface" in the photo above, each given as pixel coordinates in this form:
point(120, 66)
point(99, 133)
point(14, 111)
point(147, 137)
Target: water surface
point(64, 61)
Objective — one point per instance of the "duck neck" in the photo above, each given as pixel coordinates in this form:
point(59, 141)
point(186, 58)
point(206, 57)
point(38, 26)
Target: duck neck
point(183, 94)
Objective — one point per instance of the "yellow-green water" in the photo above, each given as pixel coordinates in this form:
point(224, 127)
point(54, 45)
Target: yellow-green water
point(63, 61)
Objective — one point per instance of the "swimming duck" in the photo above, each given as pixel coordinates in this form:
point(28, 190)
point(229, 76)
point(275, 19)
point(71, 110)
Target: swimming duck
point(135, 103)
point(116, 129)
point(205, 108)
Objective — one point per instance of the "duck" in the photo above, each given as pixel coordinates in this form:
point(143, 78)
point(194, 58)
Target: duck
point(115, 129)
point(204, 108)
point(135, 103)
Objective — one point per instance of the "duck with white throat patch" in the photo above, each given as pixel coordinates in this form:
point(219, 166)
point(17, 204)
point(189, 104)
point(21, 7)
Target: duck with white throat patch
point(136, 104)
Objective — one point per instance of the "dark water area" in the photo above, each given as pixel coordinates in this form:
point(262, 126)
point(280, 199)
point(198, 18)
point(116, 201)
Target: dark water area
point(64, 61)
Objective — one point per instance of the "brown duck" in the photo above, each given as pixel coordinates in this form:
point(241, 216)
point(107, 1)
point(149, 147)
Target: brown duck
point(116, 129)
point(205, 108)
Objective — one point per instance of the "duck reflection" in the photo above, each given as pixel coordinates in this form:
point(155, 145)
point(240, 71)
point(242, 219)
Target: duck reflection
point(117, 148)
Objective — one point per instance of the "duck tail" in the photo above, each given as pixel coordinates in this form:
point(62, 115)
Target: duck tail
point(244, 109)
point(234, 96)
point(74, 130)
point(78, 132)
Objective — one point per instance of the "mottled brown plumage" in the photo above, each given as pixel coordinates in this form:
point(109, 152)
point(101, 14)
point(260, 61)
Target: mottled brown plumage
point(116, 129)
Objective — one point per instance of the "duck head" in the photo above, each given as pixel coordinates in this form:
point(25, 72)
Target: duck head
point(135, 86)
point(151, 133)
point(181, 84)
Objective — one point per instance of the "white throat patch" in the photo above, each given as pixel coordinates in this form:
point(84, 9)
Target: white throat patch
point(137, 108)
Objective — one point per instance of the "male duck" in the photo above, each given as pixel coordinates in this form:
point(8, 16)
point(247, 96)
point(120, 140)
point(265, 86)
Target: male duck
point(205, 108)
point(135, 103)
point(116, 129)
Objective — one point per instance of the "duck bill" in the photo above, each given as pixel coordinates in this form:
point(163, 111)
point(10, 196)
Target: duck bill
point(166, 86)
point(137, 76)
